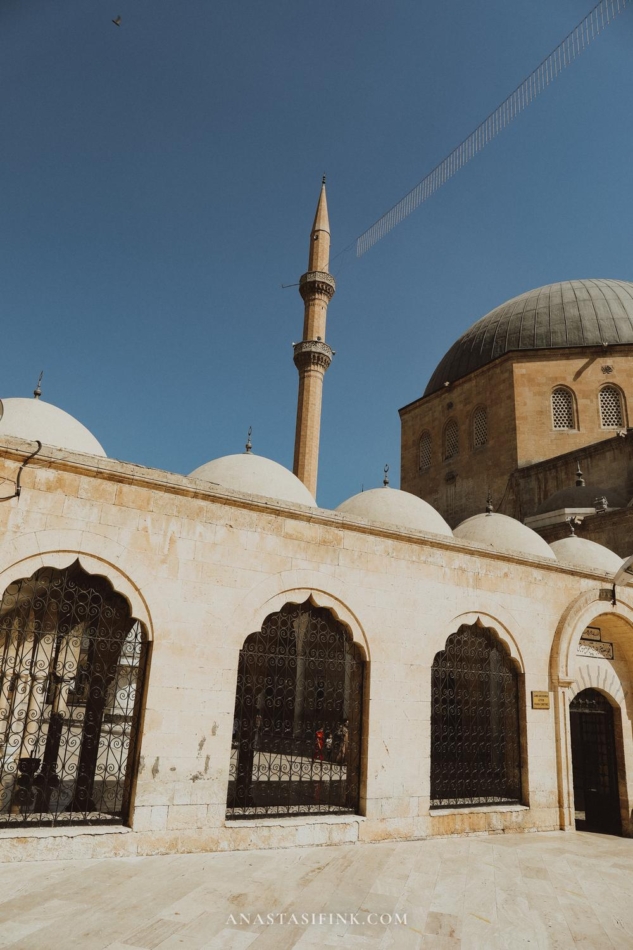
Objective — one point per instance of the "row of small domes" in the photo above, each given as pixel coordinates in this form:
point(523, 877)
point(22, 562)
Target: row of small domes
point(33, 419)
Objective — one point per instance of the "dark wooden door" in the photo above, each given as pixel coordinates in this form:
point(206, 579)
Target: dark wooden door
point(597, 801)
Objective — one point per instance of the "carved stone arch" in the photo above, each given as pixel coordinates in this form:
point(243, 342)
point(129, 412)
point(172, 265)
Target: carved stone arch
point(502, 623)
point(121, 582)
point(296, 587)
point(578, 615)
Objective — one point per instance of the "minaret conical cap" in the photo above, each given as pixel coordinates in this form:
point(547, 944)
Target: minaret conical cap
point(321, 219)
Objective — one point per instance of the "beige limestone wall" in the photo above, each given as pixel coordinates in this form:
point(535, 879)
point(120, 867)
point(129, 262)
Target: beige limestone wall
point(203, 567)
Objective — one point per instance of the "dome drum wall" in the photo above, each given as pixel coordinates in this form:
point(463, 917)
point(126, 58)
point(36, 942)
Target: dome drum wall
point(517, 392)
point(511, 361)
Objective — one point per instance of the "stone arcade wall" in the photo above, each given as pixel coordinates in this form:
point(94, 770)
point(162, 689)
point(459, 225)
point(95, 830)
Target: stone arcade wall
point(202, 567)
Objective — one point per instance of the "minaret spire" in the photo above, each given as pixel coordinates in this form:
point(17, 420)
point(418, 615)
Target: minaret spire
point(313, 356)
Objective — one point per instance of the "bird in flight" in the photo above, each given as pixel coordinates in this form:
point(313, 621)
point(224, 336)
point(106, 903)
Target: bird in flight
point(117, 22)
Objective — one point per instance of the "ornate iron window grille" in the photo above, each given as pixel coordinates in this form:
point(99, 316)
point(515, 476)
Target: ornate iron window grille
point(611, 414)
point(451, 440)
point(72, 667)
point(296, 746)
point(480, 427)
point(475, 737)
point(425, 451)
point(563, 409)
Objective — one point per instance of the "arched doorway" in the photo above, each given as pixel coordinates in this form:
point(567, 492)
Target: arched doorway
point(475, 732)
point(594, 763)
point(72, 668)
point(297, 723)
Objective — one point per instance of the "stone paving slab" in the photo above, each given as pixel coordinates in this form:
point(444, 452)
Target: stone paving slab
point(549, 891)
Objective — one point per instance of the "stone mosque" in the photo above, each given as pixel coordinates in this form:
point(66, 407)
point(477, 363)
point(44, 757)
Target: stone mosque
point(213, 662)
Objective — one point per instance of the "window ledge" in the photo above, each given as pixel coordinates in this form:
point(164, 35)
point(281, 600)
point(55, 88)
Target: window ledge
point(470, 809)
point(290, 821)
point(74, 831)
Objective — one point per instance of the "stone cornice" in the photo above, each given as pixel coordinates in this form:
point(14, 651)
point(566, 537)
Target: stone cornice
point(127, 473)
point(317, 281)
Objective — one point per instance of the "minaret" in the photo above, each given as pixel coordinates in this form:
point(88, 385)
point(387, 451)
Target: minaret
point(313, 356)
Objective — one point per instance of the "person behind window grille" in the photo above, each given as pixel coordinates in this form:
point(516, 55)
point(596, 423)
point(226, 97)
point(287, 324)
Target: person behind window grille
point(563, 408)
point(480, 427)
point(611, 415)
point(451, 440)
point(425, 451)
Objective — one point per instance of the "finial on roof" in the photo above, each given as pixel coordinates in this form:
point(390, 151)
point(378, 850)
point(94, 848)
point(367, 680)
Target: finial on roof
point(249, 446)
point(385, 480)
point(37, 392)
point(580, 481)
point(489, 506)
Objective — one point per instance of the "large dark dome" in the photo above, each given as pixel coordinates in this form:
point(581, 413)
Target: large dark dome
point(572, 313)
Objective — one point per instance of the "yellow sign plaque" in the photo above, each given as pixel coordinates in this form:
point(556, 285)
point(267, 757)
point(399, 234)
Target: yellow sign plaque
point(540, 699)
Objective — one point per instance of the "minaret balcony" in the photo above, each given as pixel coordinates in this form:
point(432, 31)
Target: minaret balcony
point(312, 353)
point(317, 281)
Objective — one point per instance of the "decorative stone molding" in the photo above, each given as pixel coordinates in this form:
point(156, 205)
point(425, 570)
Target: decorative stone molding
point(317, 281)
point(312, 353)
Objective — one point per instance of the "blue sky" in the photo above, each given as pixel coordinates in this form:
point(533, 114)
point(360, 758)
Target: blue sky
point(158, 183)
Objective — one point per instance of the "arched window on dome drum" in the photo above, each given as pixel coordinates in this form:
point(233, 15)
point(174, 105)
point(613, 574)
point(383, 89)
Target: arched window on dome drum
point(451, 440)
point(72, 669)
point(296, 746)
point(480, 427)
point(425, 451)
point(563, 416)
point(611, 408)
point(475, 736)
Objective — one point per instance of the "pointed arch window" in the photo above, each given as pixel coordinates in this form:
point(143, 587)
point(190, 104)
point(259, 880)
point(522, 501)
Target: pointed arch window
point(480, 427)
point(72, 668)
point(475, 739)
point(425, 451)
point(563, 409)
point(297, 721)
point(611, 408)
point(451, 440)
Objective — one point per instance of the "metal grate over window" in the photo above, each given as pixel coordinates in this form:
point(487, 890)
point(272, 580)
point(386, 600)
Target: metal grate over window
point(611, 415)
point(475, 739)
point(480, 427)
point(425, 451)
point(297, 723)
point(72, 665)
point(563, 408)
point(451, 440)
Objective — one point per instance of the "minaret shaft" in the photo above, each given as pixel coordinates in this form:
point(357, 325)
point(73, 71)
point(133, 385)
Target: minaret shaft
point(313, 356)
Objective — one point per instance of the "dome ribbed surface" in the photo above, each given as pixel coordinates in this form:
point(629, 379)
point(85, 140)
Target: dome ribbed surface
point(570, 313)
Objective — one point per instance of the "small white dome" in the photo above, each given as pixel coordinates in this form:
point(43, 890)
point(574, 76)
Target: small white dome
point(392, 506)
point(503, 534)
point(255, 475)
point(33, 419)
point(586, 555)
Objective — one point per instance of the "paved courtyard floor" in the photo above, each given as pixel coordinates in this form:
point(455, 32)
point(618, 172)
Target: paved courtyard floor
point(512, 891)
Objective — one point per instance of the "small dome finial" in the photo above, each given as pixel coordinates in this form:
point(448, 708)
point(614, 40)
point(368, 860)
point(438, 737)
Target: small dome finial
point(580, 481)
point(37, 392)
point(385, 480)
point(489, 505)
point(249, 446)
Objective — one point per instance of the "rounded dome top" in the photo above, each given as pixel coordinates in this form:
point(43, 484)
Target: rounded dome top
point(503, 534)
point(33, 419)
point(581, 496)
point(586, 555)
point(255, 475)
point(392, 506)
point(570, 313)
